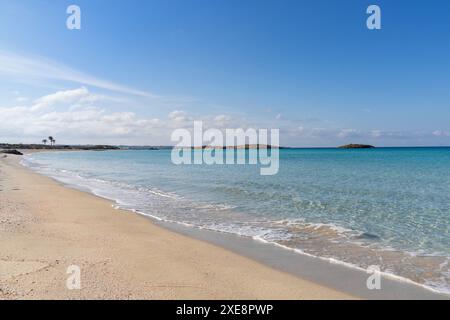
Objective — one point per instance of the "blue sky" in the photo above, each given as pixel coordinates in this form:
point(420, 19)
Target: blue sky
point(139, 69)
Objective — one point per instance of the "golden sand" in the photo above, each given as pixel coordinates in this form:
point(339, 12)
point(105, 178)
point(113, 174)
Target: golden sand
point(45, 228)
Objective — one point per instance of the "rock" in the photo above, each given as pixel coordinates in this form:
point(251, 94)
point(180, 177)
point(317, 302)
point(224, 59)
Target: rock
point(356, 146)
point(12, 152)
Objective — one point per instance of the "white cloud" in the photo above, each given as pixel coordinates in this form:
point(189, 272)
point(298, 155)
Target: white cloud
point(376, 133)
point(177, 114)
point(222, 118)
point(346, 133)
point(81, 116)
point(80, 120)
point(73, 116)
point(222, 121)
point(67, 96)
point(23, 67)
point(440, 133)
point(78, 125)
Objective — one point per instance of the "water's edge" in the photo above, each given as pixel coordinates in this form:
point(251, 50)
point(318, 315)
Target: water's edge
point(328, 272)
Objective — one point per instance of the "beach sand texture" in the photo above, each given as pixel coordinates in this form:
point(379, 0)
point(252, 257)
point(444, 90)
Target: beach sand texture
point(45, 228)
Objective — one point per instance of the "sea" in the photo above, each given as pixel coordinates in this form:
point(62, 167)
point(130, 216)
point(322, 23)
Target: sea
point(384, 207)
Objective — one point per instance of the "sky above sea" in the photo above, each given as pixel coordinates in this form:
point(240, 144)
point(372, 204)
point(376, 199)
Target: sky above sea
point(137, 70)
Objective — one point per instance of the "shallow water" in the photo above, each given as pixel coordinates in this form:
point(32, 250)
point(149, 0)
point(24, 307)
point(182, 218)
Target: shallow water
point(388, 207)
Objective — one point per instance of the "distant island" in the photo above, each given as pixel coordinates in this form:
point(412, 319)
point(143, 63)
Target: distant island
point(356, 146)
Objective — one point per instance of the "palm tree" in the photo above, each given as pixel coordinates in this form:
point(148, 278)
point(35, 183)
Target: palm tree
point(44, 141)
point(50, 138)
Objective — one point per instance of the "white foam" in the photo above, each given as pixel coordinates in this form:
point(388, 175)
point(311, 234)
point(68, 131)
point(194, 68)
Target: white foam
point(260, 235)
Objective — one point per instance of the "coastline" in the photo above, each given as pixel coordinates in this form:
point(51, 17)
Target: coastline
point(319, 278)
point(46, 228)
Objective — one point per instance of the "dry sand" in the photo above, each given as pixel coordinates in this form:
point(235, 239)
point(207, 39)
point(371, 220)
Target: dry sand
point(45, 228)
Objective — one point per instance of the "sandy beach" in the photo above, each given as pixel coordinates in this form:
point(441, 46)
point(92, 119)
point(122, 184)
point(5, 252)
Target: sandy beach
point(45, 228)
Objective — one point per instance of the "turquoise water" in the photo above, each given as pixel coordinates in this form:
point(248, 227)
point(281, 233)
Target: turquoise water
point(388, 207)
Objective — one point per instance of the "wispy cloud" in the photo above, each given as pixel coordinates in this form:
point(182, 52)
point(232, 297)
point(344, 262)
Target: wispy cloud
point(25, 67)
point(441, 133)
point(67, 96)
point(76, 116)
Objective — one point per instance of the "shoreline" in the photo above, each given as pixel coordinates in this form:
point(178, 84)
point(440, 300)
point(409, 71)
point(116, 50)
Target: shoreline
point(331, 273)
point(334, 275)
point(46, 228)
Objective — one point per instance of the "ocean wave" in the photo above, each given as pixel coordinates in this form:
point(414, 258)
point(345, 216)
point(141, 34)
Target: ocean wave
point(166, 206)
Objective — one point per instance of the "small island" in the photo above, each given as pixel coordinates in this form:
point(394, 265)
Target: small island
point(356, 146)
